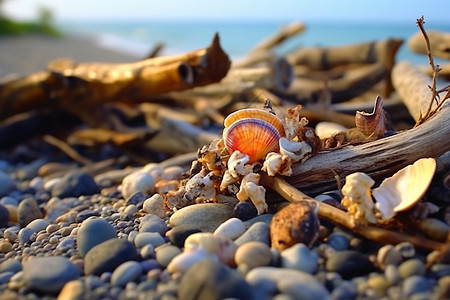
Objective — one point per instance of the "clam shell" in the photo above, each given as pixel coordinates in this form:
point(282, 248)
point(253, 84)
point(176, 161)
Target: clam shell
point(372, 124)
point(252, 136)
point(405, 188)
point(255, 113)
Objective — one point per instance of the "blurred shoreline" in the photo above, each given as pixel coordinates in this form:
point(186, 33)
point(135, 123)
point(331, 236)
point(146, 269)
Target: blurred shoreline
point(22, 55)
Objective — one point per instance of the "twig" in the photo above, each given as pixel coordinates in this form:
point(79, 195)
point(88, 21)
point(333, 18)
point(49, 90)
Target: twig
point(435, 70)
point(341, 218)
point(67, 149)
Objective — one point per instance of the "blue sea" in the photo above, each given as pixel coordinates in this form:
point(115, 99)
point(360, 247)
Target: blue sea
point(237, 38)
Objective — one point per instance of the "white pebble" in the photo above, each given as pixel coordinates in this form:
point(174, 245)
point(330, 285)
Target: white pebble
point(232, 229)
point(155, 205)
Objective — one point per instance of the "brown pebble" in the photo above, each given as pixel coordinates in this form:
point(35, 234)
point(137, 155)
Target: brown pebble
point(52, 228)
point(253, 254)
point(28, 211)
point(72, 290)
point(13, 217)
point(5, 246)
point(296, 223)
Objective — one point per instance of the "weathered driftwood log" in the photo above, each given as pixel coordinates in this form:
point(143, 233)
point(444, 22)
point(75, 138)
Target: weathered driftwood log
point(443, 73)
point(379, 159)
point(277, 76)
point(352, 83)
point(78, 87)
point(413, 87)
point(319, 58)
point(439, 41)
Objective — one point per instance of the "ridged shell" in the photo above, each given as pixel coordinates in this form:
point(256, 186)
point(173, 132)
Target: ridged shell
point(252, 136)
point(372, 124)
point(255, 113)
point(405, 188)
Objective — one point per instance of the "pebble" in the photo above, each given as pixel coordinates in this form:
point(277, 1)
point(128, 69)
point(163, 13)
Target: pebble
point(296, 223)
point(213, 244)
point(11, 265)
point(300, 257)
point(411, 267)
point(207, 217)
point(49, 274)
point(181, 263)
point(153, 223)
point(253, 254)
point(25, 235)
point(6, 184)
point(165, 253)
point(406, 249)
point(10, 234)
point(346, 290)
point(232, 228)
point(73, 290)
point(145, 238)
point(208, 279)
point(28, 211)
point(38, 224)
point(137, 182)
point(338, 241)
point(126, 272)
point(5, 246)
point(392, 275)
point(65, 244)
point(440, 270)
point(137, 199)
point(259, 231)
point(148, 251)
point(245, 211)
point(378, 283)
point(93, 232)
point(388, 255)
point(75, 184)
point(106, 256)
point(155, 205)
point(349, 263)
point(178, 235)
point(295, 283)
point(434, 228)
point(415, 284)
point(4, 216)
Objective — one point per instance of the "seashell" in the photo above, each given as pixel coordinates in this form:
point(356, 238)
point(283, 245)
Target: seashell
point(405, 188)
point(328, 129)
point(374, 123)
point(257, 114)
point(295, 150)
point(357, 199)
point(252, 136)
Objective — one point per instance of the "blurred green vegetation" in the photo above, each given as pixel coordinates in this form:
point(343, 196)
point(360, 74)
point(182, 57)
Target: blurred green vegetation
point(43, 25)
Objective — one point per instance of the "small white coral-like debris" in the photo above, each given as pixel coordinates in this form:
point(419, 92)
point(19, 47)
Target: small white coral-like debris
point(293, 122)
point(250, 189)
point(357, 198)
point(276, 163)
point(237, 164)
point(227, 180)
point(200, 186)
point(296, 151)
point(404, 189)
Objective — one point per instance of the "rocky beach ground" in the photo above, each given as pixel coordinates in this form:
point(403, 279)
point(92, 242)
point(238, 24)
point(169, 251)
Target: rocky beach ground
point(69, 232)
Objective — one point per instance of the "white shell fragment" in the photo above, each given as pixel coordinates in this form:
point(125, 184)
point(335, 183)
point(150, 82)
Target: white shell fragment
point(237, 164)
point(357, 198)
point(200, 186)
point(295, 150)
point(250, 189)
point(276, 163)
point(327, 129)
point(405, 188)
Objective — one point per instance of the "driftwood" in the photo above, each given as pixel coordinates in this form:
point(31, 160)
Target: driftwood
point(353, 82)
point(318, 58)
point(77, 87)
point(379, 159)
point(440, 43)
point(413, 87)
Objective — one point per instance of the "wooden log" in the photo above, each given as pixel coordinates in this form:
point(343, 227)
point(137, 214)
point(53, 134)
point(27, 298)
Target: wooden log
point(439, 41)
point(352, 83)
point(320, 58)
point(80, 87)
point(379, 159)
point(413, 87)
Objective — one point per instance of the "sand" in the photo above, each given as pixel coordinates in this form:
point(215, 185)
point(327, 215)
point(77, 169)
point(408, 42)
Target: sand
point(22, 55)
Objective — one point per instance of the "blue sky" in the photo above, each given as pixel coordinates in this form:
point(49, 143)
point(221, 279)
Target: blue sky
point(283, 10)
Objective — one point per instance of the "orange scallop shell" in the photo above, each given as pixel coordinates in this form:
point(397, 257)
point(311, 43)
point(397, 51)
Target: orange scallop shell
point(252, 136)
point(255, 113)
